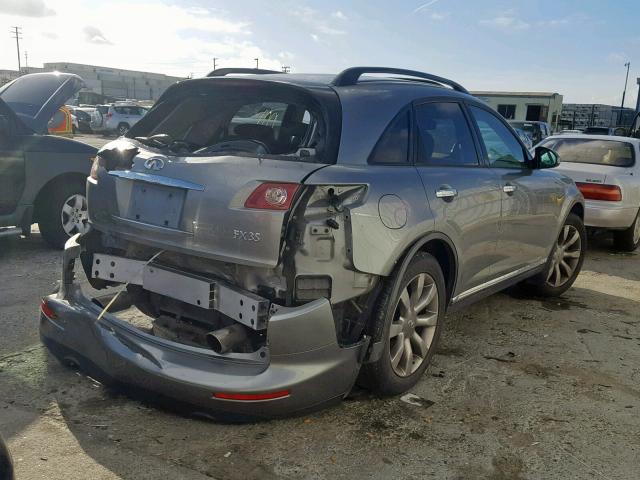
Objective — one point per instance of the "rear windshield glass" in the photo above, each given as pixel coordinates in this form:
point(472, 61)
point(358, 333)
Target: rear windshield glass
point(599, 152)
point(37, 91)
point(263, 122)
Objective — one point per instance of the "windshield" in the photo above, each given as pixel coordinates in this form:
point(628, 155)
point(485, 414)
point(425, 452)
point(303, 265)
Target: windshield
point(599, 152)
point(245, 122)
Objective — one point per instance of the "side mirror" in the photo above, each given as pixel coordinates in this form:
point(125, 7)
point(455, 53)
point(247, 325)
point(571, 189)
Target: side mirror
point(544, 157)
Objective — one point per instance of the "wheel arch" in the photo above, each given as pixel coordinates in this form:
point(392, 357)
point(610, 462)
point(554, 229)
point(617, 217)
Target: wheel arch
point(578, 209)
point(66, 177)
point(442, 249)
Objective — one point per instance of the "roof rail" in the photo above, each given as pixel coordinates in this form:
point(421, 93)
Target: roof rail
point(221, 72)
point(350, 76)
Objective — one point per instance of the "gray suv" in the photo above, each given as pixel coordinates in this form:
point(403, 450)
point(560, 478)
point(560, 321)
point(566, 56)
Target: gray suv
point(274, 238)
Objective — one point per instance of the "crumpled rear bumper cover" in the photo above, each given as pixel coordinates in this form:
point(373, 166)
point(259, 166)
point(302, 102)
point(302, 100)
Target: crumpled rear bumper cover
point(303, 357)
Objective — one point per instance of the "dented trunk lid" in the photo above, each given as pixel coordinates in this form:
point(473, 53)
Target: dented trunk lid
point(195, 205)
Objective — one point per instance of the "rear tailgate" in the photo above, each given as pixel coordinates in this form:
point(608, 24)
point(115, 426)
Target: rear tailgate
point(195, 205)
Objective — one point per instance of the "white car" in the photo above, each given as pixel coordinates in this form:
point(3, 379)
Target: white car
point(118, 118)
point(606, 169)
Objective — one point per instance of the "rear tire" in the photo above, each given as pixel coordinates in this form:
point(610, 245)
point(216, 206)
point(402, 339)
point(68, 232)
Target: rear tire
point(409, 324)
point(629, 239)
point(63, 213)
point(564, 263)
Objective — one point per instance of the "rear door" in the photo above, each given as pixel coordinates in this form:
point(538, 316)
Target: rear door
point(531, 199)
point(12, 168)
point(464, 195)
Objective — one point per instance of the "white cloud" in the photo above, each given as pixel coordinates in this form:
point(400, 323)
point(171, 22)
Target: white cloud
point(25, 8)
point(339, 15)
point(286, 56)
point(316, 21)
point(171, 39)
point(506, 22)
point(439, 16)
point(424, 6)
point(315, 37)
point(94, 35)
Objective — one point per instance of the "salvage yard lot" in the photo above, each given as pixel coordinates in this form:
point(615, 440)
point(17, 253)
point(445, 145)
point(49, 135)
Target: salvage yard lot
point(520, 389)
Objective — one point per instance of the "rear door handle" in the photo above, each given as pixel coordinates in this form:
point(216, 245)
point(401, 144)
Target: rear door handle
point(446, 193)
point(509, 189)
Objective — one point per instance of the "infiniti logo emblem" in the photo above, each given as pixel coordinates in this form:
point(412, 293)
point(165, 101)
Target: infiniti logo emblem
point(154, 163)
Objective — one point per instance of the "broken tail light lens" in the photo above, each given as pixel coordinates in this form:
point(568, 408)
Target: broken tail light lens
point(252, 397)
point(594, 191)
point(46, 309)
point(272, 196)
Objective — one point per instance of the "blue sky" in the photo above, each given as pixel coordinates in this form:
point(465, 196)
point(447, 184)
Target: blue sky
point(576, 48)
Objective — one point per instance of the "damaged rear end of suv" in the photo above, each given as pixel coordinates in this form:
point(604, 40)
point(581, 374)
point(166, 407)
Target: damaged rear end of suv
point(262, 242)
point(233, 277)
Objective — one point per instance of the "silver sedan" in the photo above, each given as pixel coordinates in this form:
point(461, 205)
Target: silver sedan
point(606, 169)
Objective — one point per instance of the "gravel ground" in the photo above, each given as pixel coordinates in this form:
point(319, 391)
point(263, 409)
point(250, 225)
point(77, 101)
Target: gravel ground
point(520, 389)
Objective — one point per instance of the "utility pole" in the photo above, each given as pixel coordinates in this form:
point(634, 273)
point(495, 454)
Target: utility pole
point(257, 64)
point(286, 69)
point(215, 59)
point(638, 99)
point(16, 33)
point(624, 92)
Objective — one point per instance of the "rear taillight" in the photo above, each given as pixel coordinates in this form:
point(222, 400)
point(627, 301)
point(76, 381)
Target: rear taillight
point(272, 196)
point(46, 309)
point(109, 115)
point(594, 191)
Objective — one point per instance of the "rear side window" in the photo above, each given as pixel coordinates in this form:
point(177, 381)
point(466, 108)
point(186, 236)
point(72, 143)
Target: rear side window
point(502, 147)
point(444, 137)
point(393, 146)
point(598, 152)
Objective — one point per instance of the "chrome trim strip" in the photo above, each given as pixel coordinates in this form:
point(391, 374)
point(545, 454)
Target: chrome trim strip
point(156, 179)
point(495, 281)
point(150, 226)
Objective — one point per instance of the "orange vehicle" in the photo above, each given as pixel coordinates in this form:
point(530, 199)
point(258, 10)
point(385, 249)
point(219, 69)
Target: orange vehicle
point(61, 123)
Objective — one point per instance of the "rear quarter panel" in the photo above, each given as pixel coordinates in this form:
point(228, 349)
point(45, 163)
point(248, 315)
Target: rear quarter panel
point(392, 191)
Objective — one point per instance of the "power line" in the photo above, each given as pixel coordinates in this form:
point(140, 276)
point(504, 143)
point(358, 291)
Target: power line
point(16, 32)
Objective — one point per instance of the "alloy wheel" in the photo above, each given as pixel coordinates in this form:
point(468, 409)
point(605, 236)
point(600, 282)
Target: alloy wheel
point(636, 231)
point(414, 324)
point(74, 216)
point(565, 257)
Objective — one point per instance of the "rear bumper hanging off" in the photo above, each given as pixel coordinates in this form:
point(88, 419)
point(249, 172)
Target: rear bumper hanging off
point(302, 367)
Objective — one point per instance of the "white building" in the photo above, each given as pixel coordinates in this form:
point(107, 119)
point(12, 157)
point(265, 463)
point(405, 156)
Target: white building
point(529, 106)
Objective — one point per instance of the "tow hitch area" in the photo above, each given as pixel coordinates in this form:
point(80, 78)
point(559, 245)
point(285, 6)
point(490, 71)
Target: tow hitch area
point(246, 308)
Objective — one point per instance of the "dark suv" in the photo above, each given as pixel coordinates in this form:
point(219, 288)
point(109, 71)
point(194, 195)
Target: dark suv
point(275, 236)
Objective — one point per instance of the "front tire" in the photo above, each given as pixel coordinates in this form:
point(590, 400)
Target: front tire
point(408, 319)
point(629, 239)
point(63, 213)
point(565, 262)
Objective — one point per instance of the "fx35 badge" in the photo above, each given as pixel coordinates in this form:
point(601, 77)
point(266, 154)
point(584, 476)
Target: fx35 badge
point(247, 236)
